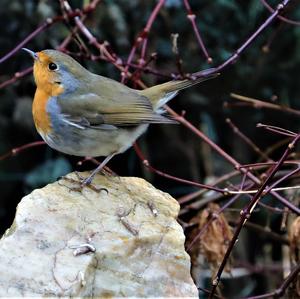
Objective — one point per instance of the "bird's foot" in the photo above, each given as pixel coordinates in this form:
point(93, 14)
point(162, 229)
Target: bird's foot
point(83, 182)
point(108, 172)
point(87, 182)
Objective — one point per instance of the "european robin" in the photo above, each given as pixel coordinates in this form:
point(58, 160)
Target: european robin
point(83, 114)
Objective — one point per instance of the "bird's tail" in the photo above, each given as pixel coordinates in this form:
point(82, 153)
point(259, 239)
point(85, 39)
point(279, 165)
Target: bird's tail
point(160, 94)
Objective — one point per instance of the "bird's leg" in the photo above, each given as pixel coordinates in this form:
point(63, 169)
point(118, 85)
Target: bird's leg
point(79, 188)
point(87, 181)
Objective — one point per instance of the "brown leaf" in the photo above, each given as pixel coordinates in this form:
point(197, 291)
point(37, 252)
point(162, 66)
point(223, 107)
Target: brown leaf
point(214, 239)
point(294, 238)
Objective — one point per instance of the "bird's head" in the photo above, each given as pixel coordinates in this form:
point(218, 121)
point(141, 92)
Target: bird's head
point(56, 72)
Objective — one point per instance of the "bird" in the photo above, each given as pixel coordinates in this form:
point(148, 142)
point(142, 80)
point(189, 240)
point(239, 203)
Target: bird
point(80, 113)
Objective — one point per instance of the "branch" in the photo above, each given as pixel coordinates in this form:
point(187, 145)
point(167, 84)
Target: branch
point(261, 104)
point(49, 22)
point(286, 20)
point(21, 148)
point(246, 213)
point(247, 140)
point(192, 18)
point(142, 38)
point(282, 289)
point(230, 159)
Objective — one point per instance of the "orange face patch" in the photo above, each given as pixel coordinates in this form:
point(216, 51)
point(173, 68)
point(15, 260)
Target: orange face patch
point(46, 88)
point(45, 78)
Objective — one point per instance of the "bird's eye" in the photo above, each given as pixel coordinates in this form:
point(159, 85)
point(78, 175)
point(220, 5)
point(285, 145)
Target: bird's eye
point(52, 66)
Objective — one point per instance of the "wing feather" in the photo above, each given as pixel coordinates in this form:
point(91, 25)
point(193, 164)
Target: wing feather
point(108, 103)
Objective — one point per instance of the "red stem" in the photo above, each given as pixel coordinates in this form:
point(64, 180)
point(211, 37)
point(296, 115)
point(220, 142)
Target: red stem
point(192, 17)
point(286, 20)
point(49, 22)
point(246, 213)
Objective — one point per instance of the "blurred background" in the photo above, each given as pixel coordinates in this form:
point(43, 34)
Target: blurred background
point(268, 70)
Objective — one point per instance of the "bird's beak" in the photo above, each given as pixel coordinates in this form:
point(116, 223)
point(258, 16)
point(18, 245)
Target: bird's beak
point(32, 54)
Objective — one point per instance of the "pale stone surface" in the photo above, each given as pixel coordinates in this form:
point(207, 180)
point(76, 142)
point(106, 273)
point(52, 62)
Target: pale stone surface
point(138, 253)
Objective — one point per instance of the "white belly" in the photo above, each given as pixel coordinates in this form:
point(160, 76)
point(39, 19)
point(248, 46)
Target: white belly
point(93, 142)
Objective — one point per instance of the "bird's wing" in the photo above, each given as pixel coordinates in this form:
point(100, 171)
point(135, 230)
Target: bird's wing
point(109, 104)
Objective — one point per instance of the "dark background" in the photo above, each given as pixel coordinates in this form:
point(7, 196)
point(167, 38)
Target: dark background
point(224, 26)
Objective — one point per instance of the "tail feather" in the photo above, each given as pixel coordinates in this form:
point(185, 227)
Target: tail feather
point(160, 94)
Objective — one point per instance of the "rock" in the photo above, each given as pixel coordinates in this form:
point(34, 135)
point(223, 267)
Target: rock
point(139, 246)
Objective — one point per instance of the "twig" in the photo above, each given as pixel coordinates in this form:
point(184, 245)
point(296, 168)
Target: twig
point(286, 20)
point(277, 130)
point(282, 179)
point(261, 104)
point(246, 213)
point(187, 198)
point(247, 140)
point(282, 289)
point(227, 157)
point(21, 148)
point(163, 174)
point(252, 37)
point(16, 77)
point(192, 18)
point(267, 232)
point(142, 38)
point(232, 192)
point(211, 220)
point(49, 22)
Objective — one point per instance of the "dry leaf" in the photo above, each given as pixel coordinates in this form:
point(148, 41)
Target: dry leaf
point(294, 237)
point(214, 239)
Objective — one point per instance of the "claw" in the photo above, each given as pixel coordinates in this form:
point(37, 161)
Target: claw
point(87, 182)
point(82, 182)
point(107, 171)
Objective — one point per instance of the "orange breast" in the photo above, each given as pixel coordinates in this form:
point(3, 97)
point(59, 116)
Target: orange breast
point(40, 115)
point(39, 108)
